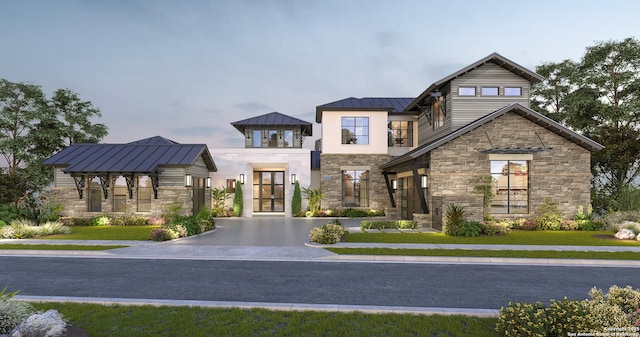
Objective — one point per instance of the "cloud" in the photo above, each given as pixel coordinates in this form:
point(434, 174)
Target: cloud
point(388, 39)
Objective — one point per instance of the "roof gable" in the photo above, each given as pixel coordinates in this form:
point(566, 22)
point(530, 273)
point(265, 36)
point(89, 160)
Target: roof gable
point(274, 119)
point(495, 58)
point(144, 156)
point(517, 108)
point(389, 104)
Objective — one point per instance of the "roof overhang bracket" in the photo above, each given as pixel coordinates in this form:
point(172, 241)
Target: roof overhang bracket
point(130, 183)
point(389, 188)
point(79, 180)
point(154, 184)
point(426, 110)
point(105, 184)
point(442, 101)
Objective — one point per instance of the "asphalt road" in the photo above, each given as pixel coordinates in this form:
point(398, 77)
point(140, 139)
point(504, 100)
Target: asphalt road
point(415, 285)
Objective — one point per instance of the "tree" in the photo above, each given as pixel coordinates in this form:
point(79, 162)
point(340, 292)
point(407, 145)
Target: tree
point(296, 201)
point(599, 97)
point(33, 128)
point(238, 200)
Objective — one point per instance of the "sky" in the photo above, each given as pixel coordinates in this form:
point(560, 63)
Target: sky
point(185, 70)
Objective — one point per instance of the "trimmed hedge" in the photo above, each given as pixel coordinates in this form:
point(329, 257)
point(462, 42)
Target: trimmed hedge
point(388, 224)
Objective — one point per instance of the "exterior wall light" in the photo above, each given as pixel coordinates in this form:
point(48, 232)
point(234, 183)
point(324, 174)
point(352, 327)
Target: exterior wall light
point(423, 181)
point(394, 184)
point(242, 178)
point(293, 178)
point(188, 180)
point(208, 182)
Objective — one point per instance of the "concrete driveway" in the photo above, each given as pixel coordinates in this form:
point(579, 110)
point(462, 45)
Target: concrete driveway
point(272, 231)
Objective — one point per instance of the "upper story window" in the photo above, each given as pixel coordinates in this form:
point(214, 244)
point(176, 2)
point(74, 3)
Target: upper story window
point(273, 138)
point(437, 107)
point(466, 91)
point(355, 130)
point(288, 138)
point(400, 133)
point(257, 138)
point(489, 91)
point(512, 91)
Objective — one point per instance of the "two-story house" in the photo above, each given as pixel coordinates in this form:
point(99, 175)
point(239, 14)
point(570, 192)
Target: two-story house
point(473, 123)
point(268, 166)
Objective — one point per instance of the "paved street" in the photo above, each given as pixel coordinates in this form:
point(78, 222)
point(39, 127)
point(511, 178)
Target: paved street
point(379, 284)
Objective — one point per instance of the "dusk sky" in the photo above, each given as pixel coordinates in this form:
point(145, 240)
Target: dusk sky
point(184, 70)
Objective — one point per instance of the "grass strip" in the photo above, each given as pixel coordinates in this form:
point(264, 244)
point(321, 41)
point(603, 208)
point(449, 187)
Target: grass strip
point(533, 254)
point(138, 233)
point(141, 321)
point(554, 238)
point(56, 247)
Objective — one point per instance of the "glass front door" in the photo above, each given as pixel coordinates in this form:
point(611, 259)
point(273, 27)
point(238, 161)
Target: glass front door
point(268, 191)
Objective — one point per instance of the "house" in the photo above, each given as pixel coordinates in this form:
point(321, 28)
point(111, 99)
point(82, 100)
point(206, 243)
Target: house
point(138, 178)
point(475, 122)
point(268, 166)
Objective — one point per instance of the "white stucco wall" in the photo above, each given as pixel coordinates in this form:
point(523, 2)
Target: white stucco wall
point(232, 162)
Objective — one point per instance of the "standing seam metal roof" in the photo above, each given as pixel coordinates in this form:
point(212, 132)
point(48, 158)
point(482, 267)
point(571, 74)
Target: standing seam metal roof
point(274, 119)
point(133, 157)
point(390, 104)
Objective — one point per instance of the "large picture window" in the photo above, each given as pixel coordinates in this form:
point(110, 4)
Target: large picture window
point(120, 195)
point(145, 191)
point(355, 130)
point(511, 186)
point(355, 188)
point(400, 134)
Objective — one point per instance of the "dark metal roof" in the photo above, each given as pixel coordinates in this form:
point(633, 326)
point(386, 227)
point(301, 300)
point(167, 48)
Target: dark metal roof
point(156, 140)
point(128, 158)
point(274, 119)
point(513, 107)
point(390, 104)
point(494, 58)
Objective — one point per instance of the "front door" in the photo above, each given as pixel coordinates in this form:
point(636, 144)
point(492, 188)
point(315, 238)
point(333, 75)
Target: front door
point(268, 191)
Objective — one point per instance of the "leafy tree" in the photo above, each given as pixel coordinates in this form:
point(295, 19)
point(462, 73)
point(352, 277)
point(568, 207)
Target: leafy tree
point(599, 97)
point(33, 128)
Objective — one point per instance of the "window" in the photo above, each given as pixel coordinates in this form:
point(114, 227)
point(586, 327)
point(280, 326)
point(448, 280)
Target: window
point(400, 133)
point(145, 190)
point(489, 91)
point(512, 91)
point(355, 130)
point(355, 188)
point(120, 195)
point(257, 138)
point(288, 138)
point(94, 201)
point(511, 186)
point(466, 91)
point(438, 114)
point(273, 138)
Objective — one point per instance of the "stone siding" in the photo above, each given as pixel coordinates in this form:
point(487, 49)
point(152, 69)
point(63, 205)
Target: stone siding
point(331, 178)
point(561, 173)
point(73, 206)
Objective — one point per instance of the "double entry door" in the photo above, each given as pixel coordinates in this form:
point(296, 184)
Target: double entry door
point(268, 191)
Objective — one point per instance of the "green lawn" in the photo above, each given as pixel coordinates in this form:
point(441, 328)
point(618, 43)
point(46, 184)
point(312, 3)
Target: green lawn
point(116, 320)
point(534, 254)
point(140, 233)
point(56, 247)
point(555, 238)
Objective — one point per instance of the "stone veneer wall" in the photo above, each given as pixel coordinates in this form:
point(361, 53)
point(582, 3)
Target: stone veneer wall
point(76, 207)
point(331, 178)
point(562, 173)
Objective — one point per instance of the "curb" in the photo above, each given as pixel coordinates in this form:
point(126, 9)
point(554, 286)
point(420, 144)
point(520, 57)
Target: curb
point(269, 306)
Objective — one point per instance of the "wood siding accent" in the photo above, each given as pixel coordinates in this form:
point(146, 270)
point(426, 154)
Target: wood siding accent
point(63, 180)
point(426, 132)
point(198, 169)
point(172, 177)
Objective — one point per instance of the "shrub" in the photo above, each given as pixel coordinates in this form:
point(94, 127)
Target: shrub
point(529, 225)
point(522, 320)
point(566, 317)
point(591, 225)
point(76, 221)
point(102, 220)
point(296, 201)
point(10, 212)
point(238, 201)
point(12, 312)
point(157, 221)
point(356, 213)
point(314, 197)
point(614, 219)
point(389, 224)
point(548, 216)
point(162, 234)
point(469, 229)
point(493, 228)
point(569, 225)
point(2, 223)
point(23, 232)
point(189, 223)
point(328, 233)
point(455, 219)
point(53, 228)
point(129, 221)
point(206, 218)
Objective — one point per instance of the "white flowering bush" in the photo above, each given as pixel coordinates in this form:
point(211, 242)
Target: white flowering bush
point(25, 229)
point(47, 324)
point(328, 233)
point(12, 312)
point(522, 320)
